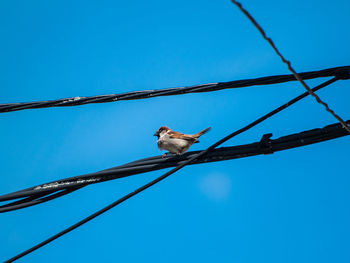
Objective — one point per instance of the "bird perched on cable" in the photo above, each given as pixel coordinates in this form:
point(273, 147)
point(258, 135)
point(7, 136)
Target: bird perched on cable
point(176, 142)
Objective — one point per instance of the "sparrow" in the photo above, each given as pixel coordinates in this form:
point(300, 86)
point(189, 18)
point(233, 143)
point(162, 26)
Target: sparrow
point(176, 142)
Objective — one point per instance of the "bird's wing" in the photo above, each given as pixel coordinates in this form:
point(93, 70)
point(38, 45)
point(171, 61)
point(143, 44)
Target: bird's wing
point(179, 135)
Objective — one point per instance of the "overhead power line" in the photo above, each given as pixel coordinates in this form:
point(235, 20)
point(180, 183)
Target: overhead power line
point(340, 72)
point(162, 177)
point(264, 146)
point(82, 180)
point(289, 65)
point(79, 181)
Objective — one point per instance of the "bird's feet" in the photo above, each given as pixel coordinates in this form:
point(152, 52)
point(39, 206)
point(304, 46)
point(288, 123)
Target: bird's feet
point(169, 153)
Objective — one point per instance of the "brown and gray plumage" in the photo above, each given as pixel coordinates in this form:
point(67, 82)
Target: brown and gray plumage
point(176, 142)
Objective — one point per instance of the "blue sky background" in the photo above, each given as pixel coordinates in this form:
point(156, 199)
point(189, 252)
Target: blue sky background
point(291, 206)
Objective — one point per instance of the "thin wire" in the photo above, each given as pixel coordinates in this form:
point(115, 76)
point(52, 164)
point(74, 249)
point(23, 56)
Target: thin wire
point(162, 177)
point(297, 76)
point(341, 72)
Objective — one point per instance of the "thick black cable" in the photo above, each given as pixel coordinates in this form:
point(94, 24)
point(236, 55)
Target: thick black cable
point(340, 72)
point(35, 200)
point(160, 178)
point(265, 146)
point(128, 169)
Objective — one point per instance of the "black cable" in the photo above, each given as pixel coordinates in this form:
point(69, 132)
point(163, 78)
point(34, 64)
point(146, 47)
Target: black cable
point(128, 169)
point(265, 146)
point(340, 72)
point(35, 200)
point(162, 177)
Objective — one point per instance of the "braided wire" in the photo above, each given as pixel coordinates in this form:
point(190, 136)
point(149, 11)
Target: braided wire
point(340, 72)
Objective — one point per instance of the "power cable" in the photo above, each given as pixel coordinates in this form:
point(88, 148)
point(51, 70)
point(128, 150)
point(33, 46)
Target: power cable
point(264, 146)
point(36, 199)
point(340, 72)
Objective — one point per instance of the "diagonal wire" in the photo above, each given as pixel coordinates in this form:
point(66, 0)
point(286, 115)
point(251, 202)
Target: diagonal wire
point(296, 75)
point(162, 177)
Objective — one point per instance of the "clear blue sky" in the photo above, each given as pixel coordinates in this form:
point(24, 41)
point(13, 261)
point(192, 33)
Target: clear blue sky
point(291, 206)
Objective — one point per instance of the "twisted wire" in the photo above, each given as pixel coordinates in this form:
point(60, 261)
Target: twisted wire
point(289, 65)
point(264, 146)
point(340, 72)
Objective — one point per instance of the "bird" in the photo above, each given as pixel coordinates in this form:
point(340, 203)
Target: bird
point(176, 142)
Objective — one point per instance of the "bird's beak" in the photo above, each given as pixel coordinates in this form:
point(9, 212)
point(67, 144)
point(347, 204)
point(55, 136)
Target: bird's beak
point(156, 134)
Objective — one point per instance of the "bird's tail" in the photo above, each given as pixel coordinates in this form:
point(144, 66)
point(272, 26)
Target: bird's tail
point(199, 134)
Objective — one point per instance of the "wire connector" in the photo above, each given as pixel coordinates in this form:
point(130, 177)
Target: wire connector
point(265, 144)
